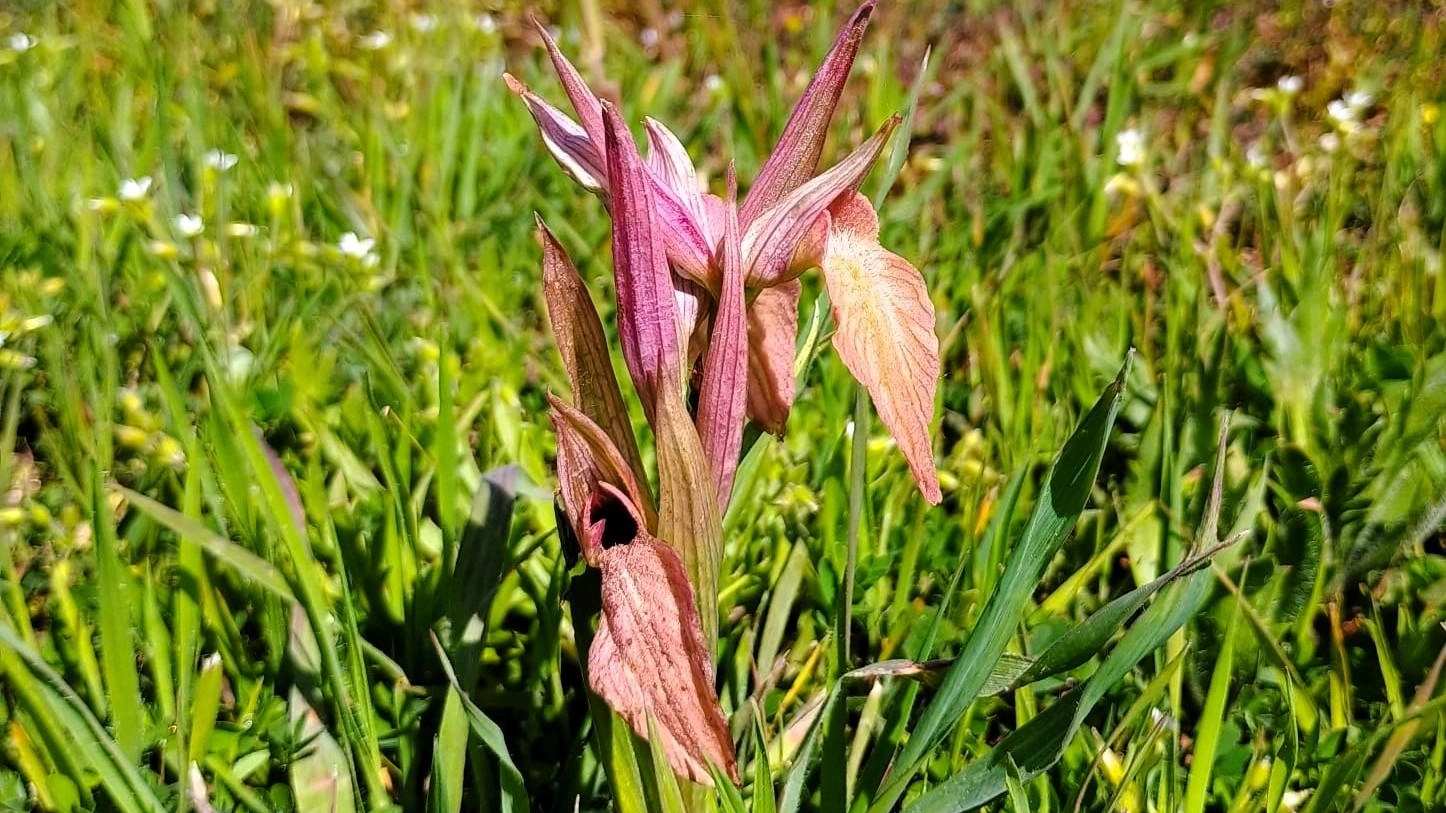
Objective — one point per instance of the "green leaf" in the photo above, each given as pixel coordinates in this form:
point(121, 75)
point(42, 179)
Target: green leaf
point(512, 791)
point(1063, 496)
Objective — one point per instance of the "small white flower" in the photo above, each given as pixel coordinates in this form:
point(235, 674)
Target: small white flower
point(135, 188)
point(1255, 155)
point(188, 225)
point(219, 160)
point(1130, 148)
point(20, 41)
point(359, 248)
point(1359, 100)
point(485, 23)
point(1289, 85)
point(424, 23)
point(375, 41)
point(1330, 142)
point(649, 37)
point(242, 230)
point(713, 83)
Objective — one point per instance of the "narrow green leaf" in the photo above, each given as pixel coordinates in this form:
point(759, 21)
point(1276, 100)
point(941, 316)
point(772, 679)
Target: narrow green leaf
point(512, 790)
point(1212, 718)
point(117, 633)
point(1063, 496)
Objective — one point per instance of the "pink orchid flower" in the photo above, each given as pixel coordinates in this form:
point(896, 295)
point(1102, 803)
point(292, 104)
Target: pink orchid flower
point(707, 297)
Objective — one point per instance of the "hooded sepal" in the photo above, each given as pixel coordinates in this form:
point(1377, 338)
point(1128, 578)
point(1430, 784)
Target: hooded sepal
point(594, 481)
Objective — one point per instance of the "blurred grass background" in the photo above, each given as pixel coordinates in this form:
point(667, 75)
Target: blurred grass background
point(1083, 178)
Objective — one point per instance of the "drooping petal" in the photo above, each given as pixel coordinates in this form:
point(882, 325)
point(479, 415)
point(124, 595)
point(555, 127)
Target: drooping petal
point(584, 101)
point(649, 658)
point(586, 461)
point(772, 334)
point(725, 369)
point(795, 158)
point(770, 241)
point(583, 345)
point(885, 332)
point(682, 235)
point(647, 319)
point(565, 139)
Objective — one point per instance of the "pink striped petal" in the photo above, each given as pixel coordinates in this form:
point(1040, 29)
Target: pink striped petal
point(772, 334)
point(725, 369)
point(568, 142)
point(795, 157)
point(647, 318)
point(771, 241)
point(584, 102)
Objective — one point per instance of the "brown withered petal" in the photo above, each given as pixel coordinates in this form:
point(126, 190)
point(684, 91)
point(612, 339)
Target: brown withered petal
point(885, 332)
point(649, 658)
point(646, 313)
point(586, 459)
point(582, 343)
point(725, 368)
point(772, 334)
point(770, 241)
point(795, 158)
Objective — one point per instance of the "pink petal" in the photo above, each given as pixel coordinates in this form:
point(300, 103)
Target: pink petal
point(647, 320)
point(885, 332)
point(771, 241)
point(566, 141)
point(772, 334)
point(725, 370)
point(649, 658)
point(586, 461)
point(795, 157)
point(584, 101)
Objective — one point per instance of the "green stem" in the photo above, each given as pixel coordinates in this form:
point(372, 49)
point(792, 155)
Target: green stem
point(858, 460)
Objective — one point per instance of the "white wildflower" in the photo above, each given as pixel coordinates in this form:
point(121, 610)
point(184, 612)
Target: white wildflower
point(1359, 100)
point(219, 160)
point(1330, 142)
point(713, 83)
point(1255, 155)
point(1130, 148)
point(375, 41)
point(485, 23)
point(20, 41)
point(358, 248)
point(242, 230)
point(424, 23)
point(1289, 85)
point(649, 37)
point(135, 188)
point(188, 225)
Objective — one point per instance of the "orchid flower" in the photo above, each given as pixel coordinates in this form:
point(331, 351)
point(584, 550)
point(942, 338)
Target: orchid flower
point(707, 298)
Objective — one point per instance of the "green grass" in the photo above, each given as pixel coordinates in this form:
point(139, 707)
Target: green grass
point(253, 515)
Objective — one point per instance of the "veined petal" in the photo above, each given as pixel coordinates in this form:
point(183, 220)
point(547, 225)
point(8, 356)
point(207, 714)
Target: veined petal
point(795, 158)
point(565, 139)
point(772, 334)
point(885, 332)
point(692, 302)
point(725, 369)
point(669, 161)
point(586, 462)
point(770, 241)
point(649, 658)
point(647, 319)
point(687, 249)
point(584, 101)
point(583, 345)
